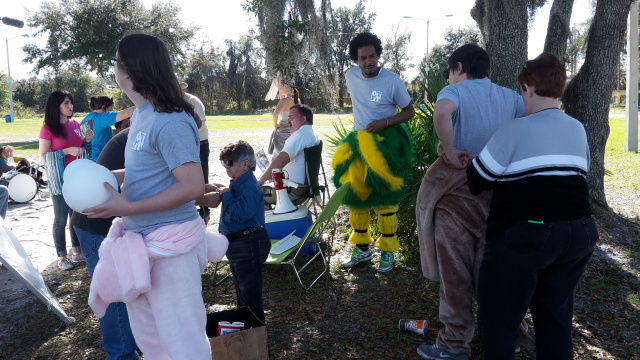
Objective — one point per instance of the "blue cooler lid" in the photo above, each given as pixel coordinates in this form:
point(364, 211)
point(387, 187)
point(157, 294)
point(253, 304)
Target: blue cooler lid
point(300, 213)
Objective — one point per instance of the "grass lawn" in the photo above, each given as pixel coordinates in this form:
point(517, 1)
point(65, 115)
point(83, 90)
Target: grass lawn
point(624, 165)
point(22, 134)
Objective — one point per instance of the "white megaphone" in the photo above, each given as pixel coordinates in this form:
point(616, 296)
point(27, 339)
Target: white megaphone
point(283, 203)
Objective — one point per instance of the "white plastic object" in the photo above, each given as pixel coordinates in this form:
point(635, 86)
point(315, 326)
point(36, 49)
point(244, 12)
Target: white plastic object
point(22, 188)
point(83, 186)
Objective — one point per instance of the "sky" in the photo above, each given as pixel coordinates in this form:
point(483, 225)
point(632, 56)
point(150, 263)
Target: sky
point(219, 20)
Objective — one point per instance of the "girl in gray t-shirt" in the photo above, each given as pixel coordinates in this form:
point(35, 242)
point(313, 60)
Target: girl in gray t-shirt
point(161, 179)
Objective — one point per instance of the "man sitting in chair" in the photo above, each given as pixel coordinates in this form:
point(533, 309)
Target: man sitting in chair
point(291, 158)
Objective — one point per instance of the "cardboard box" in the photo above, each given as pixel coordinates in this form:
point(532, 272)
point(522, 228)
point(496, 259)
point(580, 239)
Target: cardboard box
point(248, 344)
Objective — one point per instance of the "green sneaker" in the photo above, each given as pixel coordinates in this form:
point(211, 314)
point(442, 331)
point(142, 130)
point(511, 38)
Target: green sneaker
point(386, 261)
point(357, 256)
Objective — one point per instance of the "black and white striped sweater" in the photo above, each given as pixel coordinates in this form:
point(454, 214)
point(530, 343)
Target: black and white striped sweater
point(536, 167)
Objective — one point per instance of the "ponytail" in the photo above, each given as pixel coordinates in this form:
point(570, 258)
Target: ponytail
point(100, 102)
point(296, 96)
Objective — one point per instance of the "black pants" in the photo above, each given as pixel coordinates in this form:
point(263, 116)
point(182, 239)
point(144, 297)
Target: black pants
point(204, 163)
point(535, 266)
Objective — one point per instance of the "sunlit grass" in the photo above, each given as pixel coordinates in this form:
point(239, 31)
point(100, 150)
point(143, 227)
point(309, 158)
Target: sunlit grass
point(624, 165)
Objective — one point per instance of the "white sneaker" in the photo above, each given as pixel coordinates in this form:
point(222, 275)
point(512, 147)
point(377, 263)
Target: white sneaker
point(357, 256)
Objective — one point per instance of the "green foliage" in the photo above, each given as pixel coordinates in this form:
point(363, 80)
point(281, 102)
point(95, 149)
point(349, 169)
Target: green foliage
point(27, 93)
point(22, 112)
point(345, 25)
point(426, 148)
point(395, 56)
point(246, 85)
point(33, 92)
point(577, 45)
point(283, 24)
point(206, 77)
point(87, 32)
point(4, 93)
point(120, 99)
point(453, 39)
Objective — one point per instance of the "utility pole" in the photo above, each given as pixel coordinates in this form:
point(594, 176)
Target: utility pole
point(631, 117)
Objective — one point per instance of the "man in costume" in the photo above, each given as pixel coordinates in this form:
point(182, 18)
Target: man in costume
point(376, 157)
point(451, 221)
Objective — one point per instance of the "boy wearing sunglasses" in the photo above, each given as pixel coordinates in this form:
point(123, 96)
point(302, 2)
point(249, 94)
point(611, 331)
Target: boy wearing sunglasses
point(242, 222)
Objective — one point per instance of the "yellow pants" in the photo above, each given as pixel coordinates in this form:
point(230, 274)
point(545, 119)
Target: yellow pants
point(387, 224)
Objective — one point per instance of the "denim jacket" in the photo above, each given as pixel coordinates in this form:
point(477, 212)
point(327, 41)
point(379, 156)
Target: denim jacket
point(243, 206)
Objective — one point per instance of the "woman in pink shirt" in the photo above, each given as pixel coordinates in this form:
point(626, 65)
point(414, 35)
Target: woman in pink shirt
point(61, 133)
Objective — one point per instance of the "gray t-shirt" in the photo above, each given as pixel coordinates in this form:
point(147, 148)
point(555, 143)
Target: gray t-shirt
point(375, 98)
point(481, 108)
point(157, 144)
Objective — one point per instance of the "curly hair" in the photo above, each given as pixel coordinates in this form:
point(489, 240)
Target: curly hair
point(362, 40)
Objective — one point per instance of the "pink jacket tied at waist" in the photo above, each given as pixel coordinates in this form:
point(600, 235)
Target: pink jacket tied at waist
point(123, 271)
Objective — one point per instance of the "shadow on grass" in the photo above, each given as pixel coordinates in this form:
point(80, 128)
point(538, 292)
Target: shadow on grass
point(608, 295)
point(40, 334)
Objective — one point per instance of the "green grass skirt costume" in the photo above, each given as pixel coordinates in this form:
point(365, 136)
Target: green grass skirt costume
point(377, 166)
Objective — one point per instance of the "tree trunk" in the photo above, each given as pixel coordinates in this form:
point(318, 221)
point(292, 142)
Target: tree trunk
point(341, 93)
point(504, 27)
point(586, 97)
point(559, 29)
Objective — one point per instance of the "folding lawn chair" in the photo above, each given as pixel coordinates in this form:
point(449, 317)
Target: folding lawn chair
point(316, 229)
point(311, 236)
point(312, 193)
point(318, 193)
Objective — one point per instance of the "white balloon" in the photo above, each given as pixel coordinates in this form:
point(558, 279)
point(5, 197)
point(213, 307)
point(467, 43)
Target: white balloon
point(75, 164)
point(84, 188)
point(22, 188)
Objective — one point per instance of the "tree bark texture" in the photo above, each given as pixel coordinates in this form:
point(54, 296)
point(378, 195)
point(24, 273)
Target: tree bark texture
point(587, 95)
point(504, 27)
point(559, 29)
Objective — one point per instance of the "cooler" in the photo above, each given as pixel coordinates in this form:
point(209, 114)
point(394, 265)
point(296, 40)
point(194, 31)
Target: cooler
point(280, 225)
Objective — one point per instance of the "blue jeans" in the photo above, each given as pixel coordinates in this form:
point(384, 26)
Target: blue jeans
point(4, 201)
point(535, 266)
point(246, 256)
point(117, 339)
point(61, 212)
